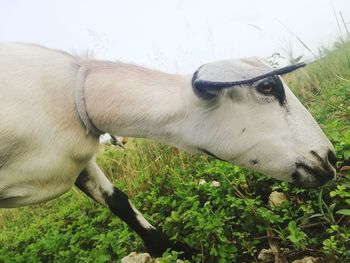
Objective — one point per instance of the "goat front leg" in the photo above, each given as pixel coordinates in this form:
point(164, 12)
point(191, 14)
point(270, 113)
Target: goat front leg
point(95, 184)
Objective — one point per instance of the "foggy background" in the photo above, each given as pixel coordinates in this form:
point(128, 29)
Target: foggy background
point(178, 35)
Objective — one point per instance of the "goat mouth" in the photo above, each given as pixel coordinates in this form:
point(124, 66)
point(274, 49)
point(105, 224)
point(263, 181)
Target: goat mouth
point(211, 154)
point(311, 177)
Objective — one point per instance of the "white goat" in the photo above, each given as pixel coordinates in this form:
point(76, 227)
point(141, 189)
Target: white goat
point(238, 111)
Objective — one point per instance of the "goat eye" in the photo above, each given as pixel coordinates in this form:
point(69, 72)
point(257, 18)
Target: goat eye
point(266, 88)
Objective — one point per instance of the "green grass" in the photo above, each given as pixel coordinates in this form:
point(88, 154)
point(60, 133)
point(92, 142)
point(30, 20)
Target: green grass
point(230, 223)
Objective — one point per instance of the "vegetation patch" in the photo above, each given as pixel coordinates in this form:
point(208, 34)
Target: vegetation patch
point(220, 209)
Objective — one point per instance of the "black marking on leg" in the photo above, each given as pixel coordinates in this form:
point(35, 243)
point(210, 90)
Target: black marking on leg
point(158, 243)
point(155, 241)
point(81, 183)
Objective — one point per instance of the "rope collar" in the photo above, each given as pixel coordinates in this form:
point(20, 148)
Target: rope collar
point(81, 106)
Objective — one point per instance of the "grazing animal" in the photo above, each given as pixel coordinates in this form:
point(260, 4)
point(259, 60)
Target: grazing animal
point(54, 106)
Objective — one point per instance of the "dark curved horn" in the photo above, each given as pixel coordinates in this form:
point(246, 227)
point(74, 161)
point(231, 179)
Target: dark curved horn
point(208, 89)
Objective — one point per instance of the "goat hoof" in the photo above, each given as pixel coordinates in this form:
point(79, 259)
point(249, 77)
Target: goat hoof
point(161, 243)
point(186, 251)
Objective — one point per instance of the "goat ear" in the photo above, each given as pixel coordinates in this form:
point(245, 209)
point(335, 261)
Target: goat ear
point(210, 79)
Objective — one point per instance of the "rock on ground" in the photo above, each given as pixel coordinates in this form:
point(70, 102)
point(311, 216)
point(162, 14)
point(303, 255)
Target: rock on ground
point(134, 257)
point(137, 258)
point(266, 255)
point(308, 260)
point(277, 198)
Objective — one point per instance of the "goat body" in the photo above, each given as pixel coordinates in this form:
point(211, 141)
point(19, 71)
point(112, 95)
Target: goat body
point(44, 147)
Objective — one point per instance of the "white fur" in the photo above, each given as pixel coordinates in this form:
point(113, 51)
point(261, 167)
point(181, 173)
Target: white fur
point(44, 146)
point(143, 222)
point(98, 185)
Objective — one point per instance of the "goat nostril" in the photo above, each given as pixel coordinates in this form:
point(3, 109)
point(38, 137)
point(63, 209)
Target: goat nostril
point(332, 158)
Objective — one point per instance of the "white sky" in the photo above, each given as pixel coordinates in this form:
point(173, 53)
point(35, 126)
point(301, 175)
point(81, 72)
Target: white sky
point(174, 35)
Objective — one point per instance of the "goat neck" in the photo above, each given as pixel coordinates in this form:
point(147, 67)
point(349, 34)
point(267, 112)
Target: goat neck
point(133, 101)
